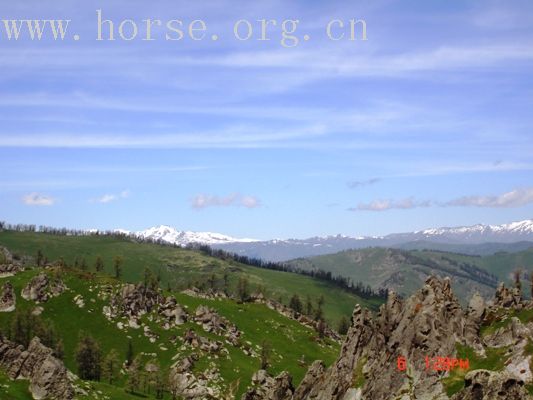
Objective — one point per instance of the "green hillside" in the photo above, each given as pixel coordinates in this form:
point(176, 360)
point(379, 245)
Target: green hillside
point(405, 271)
point(257, 322)
point(178, 268)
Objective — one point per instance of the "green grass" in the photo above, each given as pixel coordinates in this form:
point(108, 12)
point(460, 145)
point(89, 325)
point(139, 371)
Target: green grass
point(179, 267)
point(502, 317)
point(494, 361)
point(13, 390)
point(257, 323)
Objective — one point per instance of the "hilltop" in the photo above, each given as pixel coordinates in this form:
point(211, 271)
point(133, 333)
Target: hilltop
point(405, 271)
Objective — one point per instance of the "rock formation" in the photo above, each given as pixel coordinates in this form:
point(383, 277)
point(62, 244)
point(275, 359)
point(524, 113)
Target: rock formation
point(482, 384)
point(268, 388)
point(47, 375)
point(429, 324)
point(41, 288)
point(7, 298)
point(213, 323)
point(8, 266)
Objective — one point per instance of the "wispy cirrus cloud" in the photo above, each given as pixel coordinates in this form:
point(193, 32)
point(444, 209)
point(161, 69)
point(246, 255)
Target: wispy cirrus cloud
point(203, 201)
point(36, 199)
point(367, 182)
point(514, 198)
point(108, 198)
point(385, 205)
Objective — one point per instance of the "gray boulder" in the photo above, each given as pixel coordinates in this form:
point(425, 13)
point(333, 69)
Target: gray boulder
point(7, 298)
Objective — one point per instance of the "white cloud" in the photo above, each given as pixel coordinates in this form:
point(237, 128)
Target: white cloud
point(108, 198)
point(384, 205)
point(514, 198)
point(202, 201)
point(36, 199)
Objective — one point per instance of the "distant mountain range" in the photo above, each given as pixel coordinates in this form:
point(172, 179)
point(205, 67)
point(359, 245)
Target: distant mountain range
point(183, 238)
point(475, 240)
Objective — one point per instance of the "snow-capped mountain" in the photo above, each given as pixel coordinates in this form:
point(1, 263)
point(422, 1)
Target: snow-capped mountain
point(476, 239)
point(172, 235)
point(506, 231)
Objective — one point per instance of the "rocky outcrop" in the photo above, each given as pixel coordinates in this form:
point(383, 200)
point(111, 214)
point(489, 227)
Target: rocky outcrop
point(212, 322)
point(134, 300)
point(429, 323)
point(7, 298)
point(185, 385)
point(311, 379)
point(482, 384)
point(173, 313)
point(47, 375)
point(196, 341)
point(507, 298)
point(210, 294)
point(267, 388)
point(41, 288)
point(8, 266)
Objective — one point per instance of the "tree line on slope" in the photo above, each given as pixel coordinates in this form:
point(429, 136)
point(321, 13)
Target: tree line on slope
point(357, 288)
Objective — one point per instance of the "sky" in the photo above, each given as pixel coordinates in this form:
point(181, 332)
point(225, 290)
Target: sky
point(426, 123)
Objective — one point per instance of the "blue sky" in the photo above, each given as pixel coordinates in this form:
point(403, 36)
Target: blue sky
point(427, 123)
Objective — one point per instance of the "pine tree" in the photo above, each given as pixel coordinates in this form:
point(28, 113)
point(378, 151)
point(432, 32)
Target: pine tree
point(99, 264)
point(517, 282)
point(242, 289)
point(226, 282)
point(344, 325)
point(83, 265)
point(308, 306)
point(111, 367)
point(39, 258)
point(117, 266)
point(134, 375)
point(321, 328)
point(266, 351)
point(295, 304)
point(88, 358)
point(129, 353)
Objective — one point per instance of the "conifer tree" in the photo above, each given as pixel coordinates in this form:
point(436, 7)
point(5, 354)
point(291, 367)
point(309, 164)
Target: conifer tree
point(99, 264)
point(111, 367)
point(88, 358)
point(117, 266)
point(344, 325)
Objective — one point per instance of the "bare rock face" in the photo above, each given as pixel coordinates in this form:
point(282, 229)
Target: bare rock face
point(41, 288)
point(311, 379)
point(212, 322)
point(268, 388)
point(47, 375)
point(429, 323)
point(7, 298)
point(509, 335)
point(173, 312)
point(507, 298)
point(184, 385)
point(135, 300)
point(482, 384)
point(8, 266)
